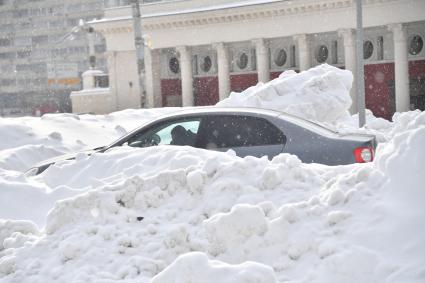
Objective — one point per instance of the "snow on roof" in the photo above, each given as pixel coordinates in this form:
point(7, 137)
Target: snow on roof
point(320, 94)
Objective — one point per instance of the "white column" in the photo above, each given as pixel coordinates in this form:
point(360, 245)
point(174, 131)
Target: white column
point(152, 78)
point(186, 75)
point(401, 68)
point(112, 73)
point(350, 62)
point(223, 70)
point(262, 59)
point(303, 51)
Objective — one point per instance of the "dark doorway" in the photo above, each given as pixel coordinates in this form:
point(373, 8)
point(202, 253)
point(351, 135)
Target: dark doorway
point(417, 94)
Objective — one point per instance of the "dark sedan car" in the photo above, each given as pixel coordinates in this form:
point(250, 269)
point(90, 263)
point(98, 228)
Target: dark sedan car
point(248, 131)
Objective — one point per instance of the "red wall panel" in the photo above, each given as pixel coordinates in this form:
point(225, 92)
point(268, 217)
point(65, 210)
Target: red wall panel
point(417, 69)
point(274, 75)
point(241, 82)
point(417, 84)
point(170, 87)
point(379, 89)
point(206, 90)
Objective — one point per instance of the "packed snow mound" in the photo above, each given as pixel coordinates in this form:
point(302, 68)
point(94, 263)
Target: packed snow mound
point(406, 121)
point(406, 148)
point(154, 175)
point(195, 267)
point(24, 199)
point(12, 230)
point(139, 215)
point(122, 162)
point(384, 130)
point(16, 135)
point(402, 161)
point(349, 222)
point(225, 230)
point(23, 157)
point(137, 225)
point(396, 208)
point(30, 140)
point(320, 94)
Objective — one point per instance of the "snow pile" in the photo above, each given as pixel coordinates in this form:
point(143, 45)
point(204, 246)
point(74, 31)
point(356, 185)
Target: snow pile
point(137, 225)
point(320, 94)
point(28, 140)
point(226, 230)
point(12, 232)
point(181, 214)
point(23, 157)
point(384, 130)
point(406, 121)
point(249, 218)
point(195, 267)
point(24, 199)
point(402, 162)
point(158, 173)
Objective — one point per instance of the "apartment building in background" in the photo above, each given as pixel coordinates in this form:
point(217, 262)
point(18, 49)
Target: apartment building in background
point(43, 54)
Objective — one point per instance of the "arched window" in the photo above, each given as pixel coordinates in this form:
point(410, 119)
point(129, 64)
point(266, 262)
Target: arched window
point(206, 64)
point(242, 61)
point(280, 57)
point(367, 49)
point(322, 53)
point(416, 44)
point(174, 65)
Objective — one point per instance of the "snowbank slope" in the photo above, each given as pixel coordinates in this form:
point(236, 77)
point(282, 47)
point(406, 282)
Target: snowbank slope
point(180, 214)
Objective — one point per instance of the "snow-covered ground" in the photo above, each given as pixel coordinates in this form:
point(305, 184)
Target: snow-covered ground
point(179, 214)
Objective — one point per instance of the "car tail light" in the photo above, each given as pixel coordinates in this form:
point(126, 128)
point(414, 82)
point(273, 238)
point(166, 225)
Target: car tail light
point(364, 154)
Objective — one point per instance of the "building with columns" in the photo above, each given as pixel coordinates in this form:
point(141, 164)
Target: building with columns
point(198, 51)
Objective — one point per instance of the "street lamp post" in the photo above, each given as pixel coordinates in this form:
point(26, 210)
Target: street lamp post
point(89, 32)
point(360, 66)
point(92, 52)
point(140, 45)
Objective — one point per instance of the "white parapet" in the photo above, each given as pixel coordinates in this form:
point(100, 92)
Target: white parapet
point(93, 101)
point(89, 78)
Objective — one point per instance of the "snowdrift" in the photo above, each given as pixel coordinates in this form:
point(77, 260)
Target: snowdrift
point(247, 216)
point(31, 140)
point(180, 214)
point(195, 267)
point(320, 94)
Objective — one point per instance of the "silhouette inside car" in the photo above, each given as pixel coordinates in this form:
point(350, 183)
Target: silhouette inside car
point(181, 136)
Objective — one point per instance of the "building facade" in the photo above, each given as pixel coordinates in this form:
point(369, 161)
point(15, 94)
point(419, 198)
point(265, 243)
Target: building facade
point(198, 51)
point(41, 59)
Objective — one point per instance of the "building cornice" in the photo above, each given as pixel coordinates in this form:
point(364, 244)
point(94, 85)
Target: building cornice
point(244, 13)
point(202, 17)
point(247, 13)
point(115, 30)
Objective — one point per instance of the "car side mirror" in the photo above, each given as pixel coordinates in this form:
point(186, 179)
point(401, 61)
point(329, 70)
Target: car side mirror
point(136, 144)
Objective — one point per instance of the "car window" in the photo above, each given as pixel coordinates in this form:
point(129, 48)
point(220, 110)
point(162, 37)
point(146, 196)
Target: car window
point(239, 131)
point(181, 132)
point(309, 125)
point(172, 135)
